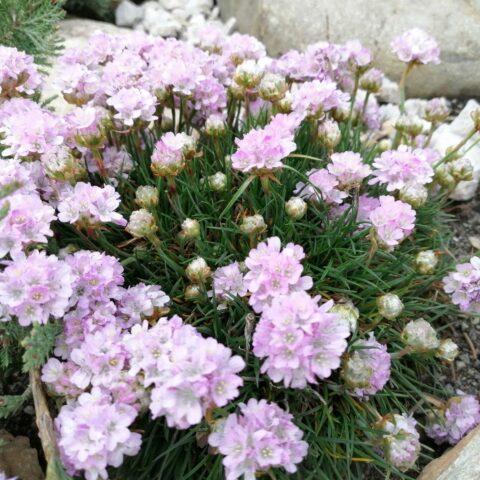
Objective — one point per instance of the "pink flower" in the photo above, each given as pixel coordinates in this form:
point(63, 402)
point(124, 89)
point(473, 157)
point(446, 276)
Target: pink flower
point(416, 46)
point(171, 153)
point(300, 340)
point(228, 282)
point(348, 168)
point(451, 423)
point(273, 271)
point(90, 205)
point(322, 186)
point(463, 285)
point(18, 73)
point(259, 437)
point(393, 220)
point(36, 287)
point(367, 369)
point(399, 168)
point(133, 104)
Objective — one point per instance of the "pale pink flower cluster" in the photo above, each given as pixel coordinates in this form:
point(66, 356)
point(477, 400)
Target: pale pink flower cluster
point(452, 422)
point(273, 271)
point(89, 205)
point(400, 168)
point(171, 153)
point(349, 169)
point(132, 105)
point(228, 282)
point(263, 149)
point(259, 437)
point(18, 73)
point(393, 221)
point(94, 433)
point(300, 339)
point(322, 185)
point(463, 285)
point(416, 46)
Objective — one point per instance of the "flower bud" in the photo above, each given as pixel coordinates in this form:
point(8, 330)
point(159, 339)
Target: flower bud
point(420, 336)
point(141, 224)
point(341, 113)
point(437, 110)
point(272, 87)
point(217, 182)
point(190, 229)
point(461, 169)
point(193, 292)
point(61, 164)
point(348, 313)
point(476, 119)
point(444, 177)
point(384, 145)
point(215, 125)
point(236, 91)
point(253, 224)
point(448, 350)
point(329, 133)
point(284, 105)
point(248, 74)
point(371, 81)
point(146, 196)
point(296, 207)
point(409, 124)
point(414, 194)
point(389, 306)
point(425, 262)
point(198, 271)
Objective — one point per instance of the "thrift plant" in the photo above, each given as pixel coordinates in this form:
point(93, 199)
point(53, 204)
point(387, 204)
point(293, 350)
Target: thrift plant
point(218, 265)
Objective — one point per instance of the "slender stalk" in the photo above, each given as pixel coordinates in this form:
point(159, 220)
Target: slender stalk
point(402, 83)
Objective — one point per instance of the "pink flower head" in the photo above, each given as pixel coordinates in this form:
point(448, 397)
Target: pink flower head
point(228, 282)
point(322, 186)
point(313, 99)
point(94, 433)
point(393, 220)
point(262, 149)
point(274, 271)
point(36, 287)
point(78, 83)
point(259, 437)
point(451, 423)
point(367, 369)
point(133, 104)
point(400, 441)
point(90, 205)
point(463, 285)
point(18, 73)
point(300, 340)
point(239, 47)
point(416, 46)
point(27, 221)
point(359, 56)
point(399, 168)
point(348, 168)
point(171, 152)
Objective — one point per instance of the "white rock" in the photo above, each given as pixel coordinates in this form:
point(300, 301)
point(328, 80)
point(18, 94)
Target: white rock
point(449, 135)
point(199, 6)
point(171, 4)
point(128, 14)
point(157, 21)
point(389, 91)
point(286, 24)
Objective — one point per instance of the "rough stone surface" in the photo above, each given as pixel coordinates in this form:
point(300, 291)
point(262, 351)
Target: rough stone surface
point(128, 13)
point(459, 463)
point(17, 459)
point(286, 24)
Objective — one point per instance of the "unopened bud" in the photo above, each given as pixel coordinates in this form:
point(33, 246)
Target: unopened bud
point(146, 196)
point(384, 145)
point(248, 74)
point(141, 224)
point(389, 306)
point(461, 169)
point(61, 164)
point(253, 224)
point(272, 87)
point(448, 350)
point(414, 194)
point(193, 292)
point(425, 262)
point(420, 336)
point(444, 177)
point(409, 124)
point(348, 313)
point(476, 119)
point(329, 133)
point(215, 125)
point(284, 105)
point(198, 271)
point(296, 207)
point(217, 182)
point(437, 110)
point(371, 81)
point(190, 229)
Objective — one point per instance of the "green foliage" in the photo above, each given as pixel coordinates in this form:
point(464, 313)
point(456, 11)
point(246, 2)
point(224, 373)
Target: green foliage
point(340, 259)
point(99, 9)
point(10, 404)
point(30, 25)
point(39, 344)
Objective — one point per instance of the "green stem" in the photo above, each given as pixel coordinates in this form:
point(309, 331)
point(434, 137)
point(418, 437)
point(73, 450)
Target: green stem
point(402, 83)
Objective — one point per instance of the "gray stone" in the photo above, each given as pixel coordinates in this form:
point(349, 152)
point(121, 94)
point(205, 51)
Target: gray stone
point(458, 463)
point(128, 14)
point(286, 24)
